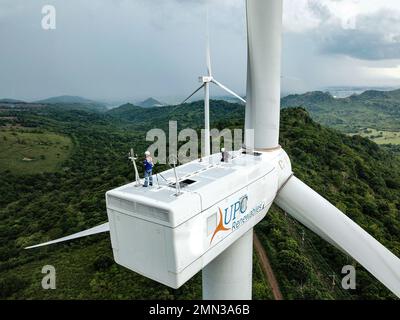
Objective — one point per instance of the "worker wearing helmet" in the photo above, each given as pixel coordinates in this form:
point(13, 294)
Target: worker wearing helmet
point(148, 169)
point(224, 155)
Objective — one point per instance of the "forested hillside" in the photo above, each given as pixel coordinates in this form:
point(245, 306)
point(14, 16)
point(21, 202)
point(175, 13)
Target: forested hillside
point(372, 109)
point(355, 174)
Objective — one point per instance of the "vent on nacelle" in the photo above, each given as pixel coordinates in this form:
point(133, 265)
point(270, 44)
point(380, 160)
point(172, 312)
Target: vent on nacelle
point(138, 208)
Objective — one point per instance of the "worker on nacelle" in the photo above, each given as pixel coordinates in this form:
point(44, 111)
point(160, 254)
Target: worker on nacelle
point(224, 155)
point(148, 169)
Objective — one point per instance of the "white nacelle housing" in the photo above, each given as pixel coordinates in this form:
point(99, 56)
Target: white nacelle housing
point(169, 238)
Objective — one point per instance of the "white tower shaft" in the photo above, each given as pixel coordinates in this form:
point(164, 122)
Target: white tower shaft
point(229, 276)
point(206, 119)
point(264, 28)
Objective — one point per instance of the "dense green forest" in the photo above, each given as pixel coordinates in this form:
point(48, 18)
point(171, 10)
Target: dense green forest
point(352, 172)
point(379, 110)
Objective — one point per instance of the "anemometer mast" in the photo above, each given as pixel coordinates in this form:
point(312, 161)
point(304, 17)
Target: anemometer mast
point(132, 157)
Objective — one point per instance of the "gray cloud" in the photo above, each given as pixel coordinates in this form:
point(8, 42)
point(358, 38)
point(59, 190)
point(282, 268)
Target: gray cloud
point(373, 37)
point(319, 10)
point(117, 49)
point(133, 49)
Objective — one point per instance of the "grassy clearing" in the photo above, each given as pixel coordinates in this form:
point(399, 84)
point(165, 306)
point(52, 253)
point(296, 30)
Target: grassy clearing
point(380, 136)
point(28, 152)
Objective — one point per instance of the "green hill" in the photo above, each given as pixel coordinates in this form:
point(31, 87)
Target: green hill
point(379, 110)
point(67, 100)
point(187, 115)
point(125, 110)
point(151, 103)
point(11, 101)
point(354, 173)
point(72, 102)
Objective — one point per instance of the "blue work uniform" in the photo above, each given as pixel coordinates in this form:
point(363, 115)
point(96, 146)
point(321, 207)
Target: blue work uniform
point(148, 172)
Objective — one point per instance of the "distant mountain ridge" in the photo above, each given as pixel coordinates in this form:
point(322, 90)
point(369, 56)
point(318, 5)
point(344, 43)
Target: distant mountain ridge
point(371, 109)
point(6, 100)
point(311, 98)
point(65, 99)
point(187, 115)
point(121, 111)
point(150, 103)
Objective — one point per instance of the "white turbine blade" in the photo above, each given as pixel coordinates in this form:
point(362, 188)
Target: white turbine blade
point(319, 215)
point(197, 90)
point(209, 70)
point(208, 50)
point(99, 229)
point(264, 44)
point(228, 90)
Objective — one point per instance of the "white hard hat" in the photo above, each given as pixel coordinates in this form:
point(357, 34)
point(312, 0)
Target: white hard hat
point(222, 149)
point(147, 153)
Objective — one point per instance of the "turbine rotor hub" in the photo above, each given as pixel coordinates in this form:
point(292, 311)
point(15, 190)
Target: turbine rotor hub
point(205, 79)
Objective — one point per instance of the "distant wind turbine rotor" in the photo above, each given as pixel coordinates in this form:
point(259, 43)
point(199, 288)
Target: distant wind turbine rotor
point(206, 80)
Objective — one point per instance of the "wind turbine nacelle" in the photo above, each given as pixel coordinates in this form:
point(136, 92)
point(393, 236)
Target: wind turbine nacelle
point(168, 237)
point(205, 79)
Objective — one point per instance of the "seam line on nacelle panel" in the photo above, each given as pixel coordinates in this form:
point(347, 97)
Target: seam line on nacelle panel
point(284, 184)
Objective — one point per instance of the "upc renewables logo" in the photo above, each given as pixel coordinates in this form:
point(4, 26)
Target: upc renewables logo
point(229, 215)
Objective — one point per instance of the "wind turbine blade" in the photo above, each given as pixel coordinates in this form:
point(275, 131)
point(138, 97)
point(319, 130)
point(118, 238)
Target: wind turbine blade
point(319, 215)
point(228, 90)
point(197, 90)
point(208, 50)
point(209, 70)
point(99, 229)
point(264, 43)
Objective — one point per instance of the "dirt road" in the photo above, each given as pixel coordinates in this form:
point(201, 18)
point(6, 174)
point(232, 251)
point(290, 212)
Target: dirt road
point(266, 267)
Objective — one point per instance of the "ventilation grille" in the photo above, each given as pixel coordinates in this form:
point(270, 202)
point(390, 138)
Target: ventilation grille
point(139, 209)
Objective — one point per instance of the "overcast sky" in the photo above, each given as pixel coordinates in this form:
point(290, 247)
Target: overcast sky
point(133, 49)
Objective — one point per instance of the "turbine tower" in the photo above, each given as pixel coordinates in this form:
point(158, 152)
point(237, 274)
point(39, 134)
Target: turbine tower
point(169, 237)
point(205, 83)
point(264, 28)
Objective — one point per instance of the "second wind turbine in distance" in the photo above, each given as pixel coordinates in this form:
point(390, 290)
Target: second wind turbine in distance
point(205, 83)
